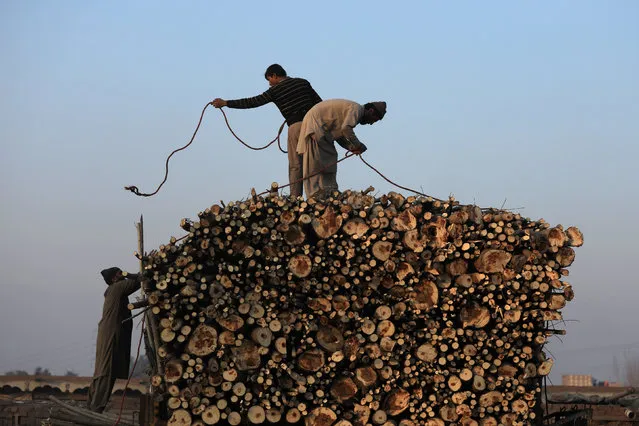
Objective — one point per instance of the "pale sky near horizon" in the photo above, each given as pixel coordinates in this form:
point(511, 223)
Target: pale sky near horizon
point(531, 105)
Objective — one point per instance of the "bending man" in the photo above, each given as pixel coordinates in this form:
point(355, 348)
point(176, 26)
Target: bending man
point(293, 97)
point(113, 347)
point(328, 122)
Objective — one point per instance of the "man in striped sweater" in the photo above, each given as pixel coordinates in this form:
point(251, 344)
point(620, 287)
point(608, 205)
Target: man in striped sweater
point(293, 97)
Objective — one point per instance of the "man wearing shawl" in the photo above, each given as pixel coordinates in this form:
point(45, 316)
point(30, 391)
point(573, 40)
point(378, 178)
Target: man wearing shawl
point(328, 122)
point(113, 347)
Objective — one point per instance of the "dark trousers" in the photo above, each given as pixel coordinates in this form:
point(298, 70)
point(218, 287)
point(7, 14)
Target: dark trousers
point(100, 392)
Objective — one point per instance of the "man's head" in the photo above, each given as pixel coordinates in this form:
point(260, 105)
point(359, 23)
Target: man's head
point(111, 275)
point(373, 112)
point(274, 74)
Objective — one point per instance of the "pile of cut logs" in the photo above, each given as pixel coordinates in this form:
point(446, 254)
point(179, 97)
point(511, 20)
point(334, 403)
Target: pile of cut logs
point(357, 310)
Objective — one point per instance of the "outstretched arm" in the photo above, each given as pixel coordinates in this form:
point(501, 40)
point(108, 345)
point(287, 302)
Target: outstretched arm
point(244, 103)
point(127, 286)
point(349, 140)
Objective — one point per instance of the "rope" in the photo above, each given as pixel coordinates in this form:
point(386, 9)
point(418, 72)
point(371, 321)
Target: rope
point(277, 138)
point(134, 189)
point(393, 183)
point(137, 355)
point(348, 155)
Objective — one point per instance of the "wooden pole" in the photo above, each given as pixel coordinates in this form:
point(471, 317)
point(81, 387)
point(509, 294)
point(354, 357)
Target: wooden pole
point(152, 337)
point(140, 227)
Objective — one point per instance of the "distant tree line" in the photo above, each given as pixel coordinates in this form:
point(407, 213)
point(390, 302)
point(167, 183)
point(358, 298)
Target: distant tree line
point(39, 371)
point(142, 368)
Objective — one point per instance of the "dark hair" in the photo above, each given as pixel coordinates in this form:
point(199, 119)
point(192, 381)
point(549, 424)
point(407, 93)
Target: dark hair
point(275, 69)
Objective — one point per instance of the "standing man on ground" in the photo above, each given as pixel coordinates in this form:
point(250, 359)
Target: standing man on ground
point(113, 347)
point(329, 121)
point(293, 97)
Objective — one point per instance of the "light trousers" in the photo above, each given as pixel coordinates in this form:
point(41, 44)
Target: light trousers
point(320, 167)
point(294, 160)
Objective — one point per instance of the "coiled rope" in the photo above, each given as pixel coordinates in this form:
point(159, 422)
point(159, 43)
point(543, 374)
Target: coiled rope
point(136, 191)
point(277, 138)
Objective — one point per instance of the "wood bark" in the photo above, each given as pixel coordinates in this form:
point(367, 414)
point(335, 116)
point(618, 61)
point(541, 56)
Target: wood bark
point(357, 310)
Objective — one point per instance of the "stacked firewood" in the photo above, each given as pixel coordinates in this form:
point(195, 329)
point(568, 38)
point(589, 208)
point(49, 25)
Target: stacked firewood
point(357, 310)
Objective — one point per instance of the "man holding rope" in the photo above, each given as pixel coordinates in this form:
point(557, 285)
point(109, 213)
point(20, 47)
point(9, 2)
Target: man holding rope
point(329, 121)
point(113, 347)
point(293, 97)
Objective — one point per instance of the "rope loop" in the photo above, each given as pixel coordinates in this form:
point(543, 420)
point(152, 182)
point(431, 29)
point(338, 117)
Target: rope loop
point(136, 191)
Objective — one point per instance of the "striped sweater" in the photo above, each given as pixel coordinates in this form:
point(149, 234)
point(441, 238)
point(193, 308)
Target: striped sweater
point(292, 96)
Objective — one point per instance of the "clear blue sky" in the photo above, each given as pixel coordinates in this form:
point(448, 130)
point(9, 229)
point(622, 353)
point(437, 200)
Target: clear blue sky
point(532, 105)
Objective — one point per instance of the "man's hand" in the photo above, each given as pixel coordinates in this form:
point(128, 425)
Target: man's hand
point(360, 149)
point(218, 103)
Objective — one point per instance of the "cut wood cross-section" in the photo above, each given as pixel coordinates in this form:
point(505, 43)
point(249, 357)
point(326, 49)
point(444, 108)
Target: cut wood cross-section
point(357, 310)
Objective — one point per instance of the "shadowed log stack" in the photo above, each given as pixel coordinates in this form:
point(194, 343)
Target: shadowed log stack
point(358, 310)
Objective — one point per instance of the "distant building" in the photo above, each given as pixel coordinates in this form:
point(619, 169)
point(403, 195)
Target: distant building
point(576, 380)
